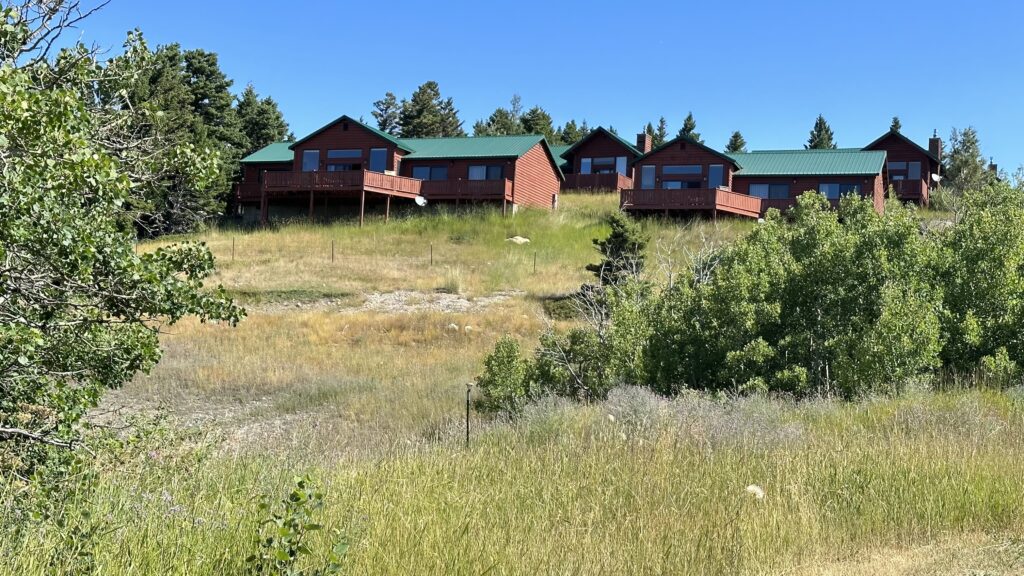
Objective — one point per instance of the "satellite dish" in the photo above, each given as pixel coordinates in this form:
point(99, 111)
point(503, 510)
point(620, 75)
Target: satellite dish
point(421, 201)
point(936, 178)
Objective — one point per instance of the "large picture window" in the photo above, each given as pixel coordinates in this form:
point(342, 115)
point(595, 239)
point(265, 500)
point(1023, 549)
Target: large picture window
point(481, 172)
point(430, 172)
point(378, 159)
point(770, 191)
point(310, 160)
point(585, 166)
point(620, 165)
point(835, 191)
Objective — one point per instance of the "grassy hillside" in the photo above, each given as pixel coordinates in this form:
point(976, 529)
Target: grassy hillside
point(335, 374)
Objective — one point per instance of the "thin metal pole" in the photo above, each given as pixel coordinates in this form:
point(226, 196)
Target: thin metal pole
point(332, 250)
point(431, 253)
point(467, 414)
point(534, 261)
point(232, 248)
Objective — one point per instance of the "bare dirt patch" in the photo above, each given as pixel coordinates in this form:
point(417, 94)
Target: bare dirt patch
point(398, 302)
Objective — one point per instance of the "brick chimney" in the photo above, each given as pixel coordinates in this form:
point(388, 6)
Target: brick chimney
point(992, 166)
point(643, 142)
point(935, 145)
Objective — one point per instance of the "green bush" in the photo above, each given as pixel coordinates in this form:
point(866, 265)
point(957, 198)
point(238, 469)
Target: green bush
point(505, 383)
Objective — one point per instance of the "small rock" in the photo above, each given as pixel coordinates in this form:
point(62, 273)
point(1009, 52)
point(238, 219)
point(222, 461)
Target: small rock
point(468, 328)
point(519, 240)
point(453, 327)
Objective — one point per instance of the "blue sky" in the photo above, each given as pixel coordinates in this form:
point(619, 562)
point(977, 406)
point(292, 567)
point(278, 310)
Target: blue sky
point(765, 68)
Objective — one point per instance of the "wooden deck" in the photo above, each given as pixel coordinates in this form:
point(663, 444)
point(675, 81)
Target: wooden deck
point(464, 190)
point(593, 182)
point(692, 199)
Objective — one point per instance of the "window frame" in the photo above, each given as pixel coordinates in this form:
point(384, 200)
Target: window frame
point(383, 151)
point(345, 154)
point(310, 153)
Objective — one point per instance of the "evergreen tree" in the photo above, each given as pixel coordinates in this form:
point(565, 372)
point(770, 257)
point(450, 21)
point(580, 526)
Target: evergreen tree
point(660, 133)
point(212, 100)
point(427, 114)
point(536, 120)
point(821, 137)
point(649, 130)
point(613, 130)
point(622, 251)
point(570, 133)
point(964, 167)
point(895, 126)
point(736, 143)
point(689, 129)
point(501, 122)
point(386, 111)
point(262, 121)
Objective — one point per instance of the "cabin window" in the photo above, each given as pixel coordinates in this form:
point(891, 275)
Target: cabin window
point(620, 164)
point(351, 153)
point(845, 189)
point(830, 190)
point(689, 169)
point(913, 170)
point(647, 177)
point(430, 172)
point(378, 159)
point(486, 172)
point(716, 176)
point(605, 165)
point(343, 167)
point(897, 171)
point(770, 191)
point(584, 165)
point(310, 160)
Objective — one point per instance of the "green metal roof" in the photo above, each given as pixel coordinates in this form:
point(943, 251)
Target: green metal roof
point(469, 147)
point(557, 152)
point(276, 152)
point(837, 162)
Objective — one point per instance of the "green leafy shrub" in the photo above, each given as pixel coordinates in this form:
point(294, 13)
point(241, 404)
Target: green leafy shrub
point(505, 383)
point(282, 541)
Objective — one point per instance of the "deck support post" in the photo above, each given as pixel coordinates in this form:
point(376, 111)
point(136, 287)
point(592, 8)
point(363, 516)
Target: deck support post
point(504, 207)
point(263, 208)
point(387, 209)
point(362, 207)
point(310, 204)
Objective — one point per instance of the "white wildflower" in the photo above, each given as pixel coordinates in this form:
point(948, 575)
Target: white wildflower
point(756, 491)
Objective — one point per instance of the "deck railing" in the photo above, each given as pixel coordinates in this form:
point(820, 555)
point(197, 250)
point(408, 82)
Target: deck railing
point(909, 189)
point(614, 181)
point(341, 181)
point(467, 189)
point(690, 199)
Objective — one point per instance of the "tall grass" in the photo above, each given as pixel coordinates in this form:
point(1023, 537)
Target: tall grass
point(635, 485)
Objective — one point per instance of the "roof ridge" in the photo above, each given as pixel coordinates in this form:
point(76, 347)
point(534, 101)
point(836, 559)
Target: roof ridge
point(467, 137)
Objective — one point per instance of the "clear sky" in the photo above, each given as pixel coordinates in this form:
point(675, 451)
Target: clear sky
point(765, 68)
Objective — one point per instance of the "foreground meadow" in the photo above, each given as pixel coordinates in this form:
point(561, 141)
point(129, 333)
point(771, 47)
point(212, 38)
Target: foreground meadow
point(353, 369)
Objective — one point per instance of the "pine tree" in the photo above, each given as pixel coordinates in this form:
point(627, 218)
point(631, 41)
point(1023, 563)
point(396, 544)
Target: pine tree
point(212, 100)
point(689, 129)
point(503, 121)
point(736, 143)
point(622, 251)
point(262, 121)
point(964, 167)
point(661, 133)
point(821, 137)
point(649, 130)
point(612, 130)
point(536, 120)
point(895, 126)
point(426, 114)
point(570, 133)
point(386, 111)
